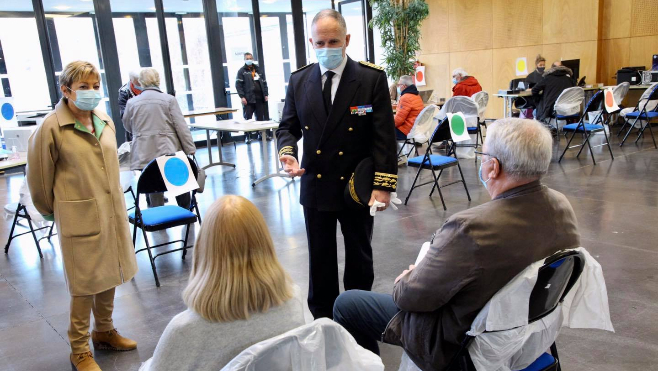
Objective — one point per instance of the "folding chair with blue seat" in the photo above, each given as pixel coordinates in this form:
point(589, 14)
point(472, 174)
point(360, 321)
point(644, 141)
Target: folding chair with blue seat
point(432, 162)
point(586, 130)
point(471, 111)
point(567, 107)
point(642, 102)
point(423, 121)
point(643, 114)
point(161, 217)
point(558, 274)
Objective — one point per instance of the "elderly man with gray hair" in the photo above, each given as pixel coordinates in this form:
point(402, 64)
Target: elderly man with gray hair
point(473, 255)
point(465, 85)
point(129, 90)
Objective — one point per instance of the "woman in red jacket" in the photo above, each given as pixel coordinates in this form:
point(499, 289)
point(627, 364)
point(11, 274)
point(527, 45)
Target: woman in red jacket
point(464, 84)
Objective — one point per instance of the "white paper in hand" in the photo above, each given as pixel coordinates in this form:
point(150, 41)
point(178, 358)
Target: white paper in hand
point(423, 251)
point(177, 173)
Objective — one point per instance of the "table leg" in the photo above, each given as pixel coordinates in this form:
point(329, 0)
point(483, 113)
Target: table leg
point(266, 161)
point(219, 148)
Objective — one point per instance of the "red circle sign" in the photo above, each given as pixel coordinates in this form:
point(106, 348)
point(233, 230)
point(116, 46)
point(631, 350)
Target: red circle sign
point(609, 99)
point(419, 76)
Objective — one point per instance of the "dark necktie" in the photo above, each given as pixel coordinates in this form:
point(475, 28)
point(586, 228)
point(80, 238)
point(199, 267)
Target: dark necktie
point(326, 91)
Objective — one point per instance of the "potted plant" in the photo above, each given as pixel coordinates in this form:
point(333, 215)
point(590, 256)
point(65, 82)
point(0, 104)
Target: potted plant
point(399, 23)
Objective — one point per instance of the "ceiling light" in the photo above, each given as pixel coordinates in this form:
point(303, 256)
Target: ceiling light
point(62, 7)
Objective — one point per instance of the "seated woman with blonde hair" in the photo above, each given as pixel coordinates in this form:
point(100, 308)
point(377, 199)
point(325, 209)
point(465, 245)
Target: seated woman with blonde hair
point(238, 293)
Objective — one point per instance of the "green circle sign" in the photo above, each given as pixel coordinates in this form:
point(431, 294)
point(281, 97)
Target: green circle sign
point(457, 124)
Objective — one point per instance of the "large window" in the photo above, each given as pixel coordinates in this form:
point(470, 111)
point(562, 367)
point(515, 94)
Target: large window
point(22, 74)
point(352, 11)
point(73, 36)
point(310, 9)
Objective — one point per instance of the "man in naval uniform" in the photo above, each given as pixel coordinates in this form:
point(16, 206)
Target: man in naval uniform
point(342, 109)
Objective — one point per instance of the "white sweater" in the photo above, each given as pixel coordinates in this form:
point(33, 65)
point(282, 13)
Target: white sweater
point(190, 342)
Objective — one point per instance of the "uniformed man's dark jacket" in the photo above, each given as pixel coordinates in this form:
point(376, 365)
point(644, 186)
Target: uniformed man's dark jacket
point(334, 144)
point(246, 86)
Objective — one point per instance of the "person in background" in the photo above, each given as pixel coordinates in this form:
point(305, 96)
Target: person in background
point(393, 92)
point(237, 295)
point(73, 177)
point(408, 109)
point(545, 93)
point(535, 76)
point(556, 64)
point(433, 304)
point(252, 89)
point(465, 85)
point(129, 90)
point(158, 127)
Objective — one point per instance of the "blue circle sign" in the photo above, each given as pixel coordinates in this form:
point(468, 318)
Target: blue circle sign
point(7, 111)
point(176, 172)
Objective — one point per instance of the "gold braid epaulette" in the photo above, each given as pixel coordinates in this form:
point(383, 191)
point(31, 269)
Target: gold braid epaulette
point(385, 180)
point(301, 68)
point(371, 65)
point(287, 150)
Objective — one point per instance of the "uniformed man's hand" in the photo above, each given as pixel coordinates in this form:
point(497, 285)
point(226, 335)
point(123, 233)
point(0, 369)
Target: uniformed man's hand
point(244, 101)
point(291, 166)
point(267, 98)
point(381, 196)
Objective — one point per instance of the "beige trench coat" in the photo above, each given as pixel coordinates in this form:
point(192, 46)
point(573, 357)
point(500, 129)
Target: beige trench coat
point(75, 176)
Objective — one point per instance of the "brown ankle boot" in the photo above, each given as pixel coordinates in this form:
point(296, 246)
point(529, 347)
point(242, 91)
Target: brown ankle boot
point(84, 362)
point(111, 340)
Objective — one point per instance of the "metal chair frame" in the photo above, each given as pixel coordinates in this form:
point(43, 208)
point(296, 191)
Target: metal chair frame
point(21, 212)
point(652, 96)
point(438, 136)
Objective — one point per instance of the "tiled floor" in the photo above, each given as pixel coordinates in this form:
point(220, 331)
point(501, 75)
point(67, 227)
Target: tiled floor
point(616, 203)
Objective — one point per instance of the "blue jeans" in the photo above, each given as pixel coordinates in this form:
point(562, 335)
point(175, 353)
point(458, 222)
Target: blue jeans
point(365, 315)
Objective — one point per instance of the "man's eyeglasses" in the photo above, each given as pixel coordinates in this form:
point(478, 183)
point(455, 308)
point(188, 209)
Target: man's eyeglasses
point(487, 154)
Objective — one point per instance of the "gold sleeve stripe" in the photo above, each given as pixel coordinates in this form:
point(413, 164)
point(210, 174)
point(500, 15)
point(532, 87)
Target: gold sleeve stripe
point(287, 150)
point(385, 180)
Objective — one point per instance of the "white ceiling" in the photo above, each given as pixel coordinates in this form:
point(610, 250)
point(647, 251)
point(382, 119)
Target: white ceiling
point(191, 6)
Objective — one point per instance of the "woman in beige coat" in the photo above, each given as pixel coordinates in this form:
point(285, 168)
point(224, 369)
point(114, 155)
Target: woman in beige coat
point(73, 175)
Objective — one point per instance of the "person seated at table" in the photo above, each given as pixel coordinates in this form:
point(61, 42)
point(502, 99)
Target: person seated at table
point(535, 76)
point(465, 85)
point(473, 255)
point(408, 108)
point(545, 93)
point(158, 127)
point(237, 295)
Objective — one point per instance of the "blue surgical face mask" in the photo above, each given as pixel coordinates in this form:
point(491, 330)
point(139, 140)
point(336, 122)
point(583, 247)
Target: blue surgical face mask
point(399, 91)
point(329, 58)
point(454, 81)
point(484, 182)
point(87, 100)
point(249, 62)
point(138, 87)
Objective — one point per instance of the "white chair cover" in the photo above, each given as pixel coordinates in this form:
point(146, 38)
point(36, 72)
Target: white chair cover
point(481, 99)
point(26, 200)
point(420, 132)
point(569, 101)
point(321, 345)
point(620, 91)
point(124, 156)
point(467, 106)
point(586, 306)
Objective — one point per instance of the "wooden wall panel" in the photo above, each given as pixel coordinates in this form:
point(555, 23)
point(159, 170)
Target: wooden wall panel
point(616, 20)
point(504, 71)
point(644, 18)
point(642, 49)
point(437, 71)
point(615, 53)
point(434, 30)
point(470, 25)
point(517, 23)
point(478, 64)
point(570, 21)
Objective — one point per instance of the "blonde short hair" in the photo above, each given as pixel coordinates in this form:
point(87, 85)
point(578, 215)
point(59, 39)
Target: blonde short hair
point(77, 71)
point(235, 270)
point(149, 77)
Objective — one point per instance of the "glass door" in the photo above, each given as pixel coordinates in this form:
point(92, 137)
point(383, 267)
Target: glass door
point(354, 13)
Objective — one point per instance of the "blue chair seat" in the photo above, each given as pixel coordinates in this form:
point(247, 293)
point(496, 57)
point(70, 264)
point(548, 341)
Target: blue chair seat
point(588, 127)
point(569, 117)
point(542, 363)
point(472, 129)
point(644, 116)
point(163, 217)
point(437, 161)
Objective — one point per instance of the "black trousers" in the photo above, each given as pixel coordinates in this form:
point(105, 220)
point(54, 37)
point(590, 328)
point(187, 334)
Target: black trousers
point(356, 227)
point(259, 108)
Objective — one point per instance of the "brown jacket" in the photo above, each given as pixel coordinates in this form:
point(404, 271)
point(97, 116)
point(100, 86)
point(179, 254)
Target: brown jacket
point(474, 254)
point(75, 176)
